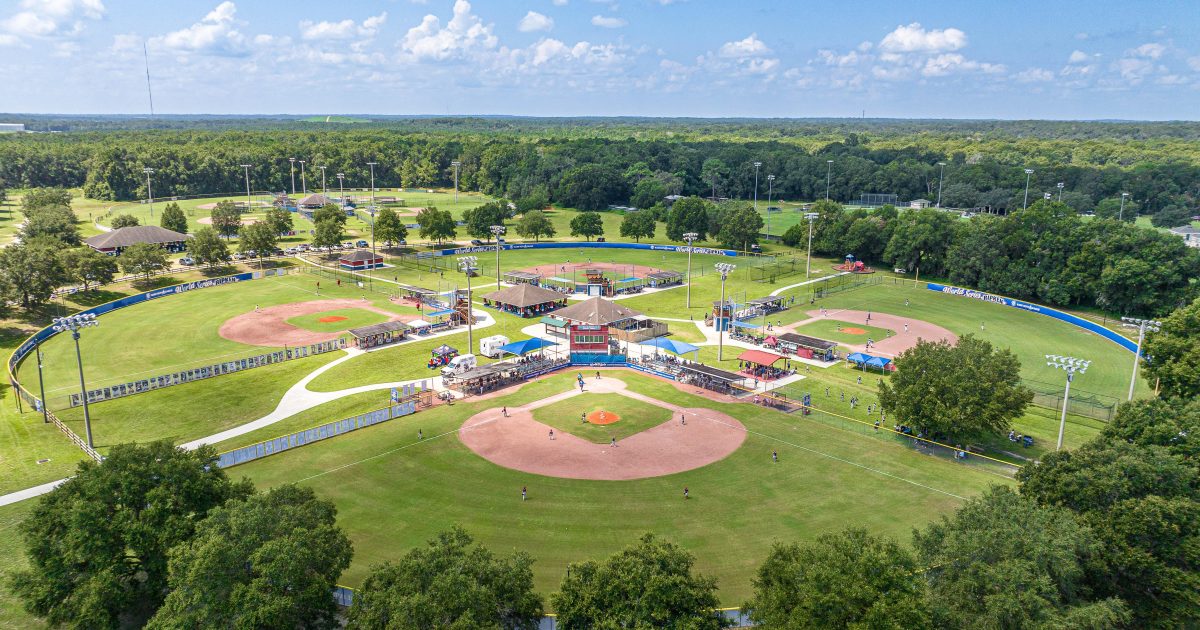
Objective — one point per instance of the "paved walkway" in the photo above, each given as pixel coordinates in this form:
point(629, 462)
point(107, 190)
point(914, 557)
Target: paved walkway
point(807, 282)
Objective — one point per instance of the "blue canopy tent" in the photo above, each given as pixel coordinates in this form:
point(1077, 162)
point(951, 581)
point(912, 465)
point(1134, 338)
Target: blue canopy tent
point(672, 346)
point(525, 346)
point(858, 358)
point(877, 362)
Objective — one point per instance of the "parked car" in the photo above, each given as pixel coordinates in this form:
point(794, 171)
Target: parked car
point(239, 256)
point(187, 261)
point(476, 242)
point(303, 247)
point(363, 244)
point(599, 239)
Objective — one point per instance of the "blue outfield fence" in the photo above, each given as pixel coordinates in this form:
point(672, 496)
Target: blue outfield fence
point(315, 434)
point(683, 249)
point(1092, 327)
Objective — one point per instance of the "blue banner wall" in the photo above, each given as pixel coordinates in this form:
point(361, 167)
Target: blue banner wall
point(683, 249)
point(1093, 327)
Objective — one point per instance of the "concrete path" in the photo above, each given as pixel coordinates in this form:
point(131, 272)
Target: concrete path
point(807, 282)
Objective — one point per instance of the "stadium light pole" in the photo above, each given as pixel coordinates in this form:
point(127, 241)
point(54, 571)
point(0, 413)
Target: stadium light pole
point(303, 181)
point(1047, 196)
point(292, 170)
point(1060, 185)
point(341, 177)
point(770, 195)
point(75, 323)
point(1142, 325)
point(811, 216)
point(1071, 366)
point(324, 190)
point(42, 387)
point(247, 169)
point(149, 192)
point(457, 165)
point(941, 176)
point(468, 265)
point(828, 177)
point(497, 231)
point(756, 165)
point(723, 269)
point(690, 238)
point(1121, 216)
point(1028, 173)
point(372, 165)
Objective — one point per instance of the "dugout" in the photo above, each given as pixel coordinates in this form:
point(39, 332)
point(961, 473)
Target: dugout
point(379, 334)
point(525, 299)
point(417, 295)
point(711, 378)
point(484, 378)
point(807, 347)
point(660, 279)
point(522, 277)
point(760, 364)
point(769, 304)
point(554, 326)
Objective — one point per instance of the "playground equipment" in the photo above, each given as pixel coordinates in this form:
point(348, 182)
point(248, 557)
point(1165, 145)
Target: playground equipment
point(854, 266)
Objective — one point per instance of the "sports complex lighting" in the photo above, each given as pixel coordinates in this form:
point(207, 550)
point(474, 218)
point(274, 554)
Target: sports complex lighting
point(1028, 173)
point(76, 323)
point(724, 269)
point(469, 265)
point(149, 192)
point(497, 231)
point(811, 217)
point(690, 238)
point(1071, 366)
point(457, 165)
point(1142, 325)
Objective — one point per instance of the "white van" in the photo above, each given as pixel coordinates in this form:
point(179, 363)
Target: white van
point(460, 364)
point(490, 346)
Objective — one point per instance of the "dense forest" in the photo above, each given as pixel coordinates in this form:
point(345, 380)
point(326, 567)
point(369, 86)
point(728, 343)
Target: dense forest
point(626, 160)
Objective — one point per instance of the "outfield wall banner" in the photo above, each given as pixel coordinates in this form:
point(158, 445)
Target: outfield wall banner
point(315, 434)
point(47, 332)
point(1093, 327)
point(195, 374)
point(682, 249)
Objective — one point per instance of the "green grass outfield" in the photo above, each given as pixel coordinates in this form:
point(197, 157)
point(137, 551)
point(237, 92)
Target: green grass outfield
point(348, 318)
point(829, 329)
point(636, 416)
point(394, 492)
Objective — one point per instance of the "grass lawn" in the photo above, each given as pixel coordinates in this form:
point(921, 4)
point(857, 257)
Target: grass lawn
point(635, 416)
point(844, 332)
point(385, 475)
point(342, 319)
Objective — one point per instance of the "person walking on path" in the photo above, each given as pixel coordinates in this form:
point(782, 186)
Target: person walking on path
point(683, 419)
point(504, 411)
point(551, 434)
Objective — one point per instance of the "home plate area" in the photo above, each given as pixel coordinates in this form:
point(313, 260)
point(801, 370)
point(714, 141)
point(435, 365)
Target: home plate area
point(691, 438)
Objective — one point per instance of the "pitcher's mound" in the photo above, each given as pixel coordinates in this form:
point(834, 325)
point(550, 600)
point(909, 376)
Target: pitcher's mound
point(851, 330)
point(329, 319)
point(602, 417)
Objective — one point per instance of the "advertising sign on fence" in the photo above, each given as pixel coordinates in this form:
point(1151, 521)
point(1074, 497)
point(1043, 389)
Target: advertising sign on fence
point(683, 249)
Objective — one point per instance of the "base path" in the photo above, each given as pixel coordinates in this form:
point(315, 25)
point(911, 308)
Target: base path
point(522, 443)
point(890, 346)
point(268, 326)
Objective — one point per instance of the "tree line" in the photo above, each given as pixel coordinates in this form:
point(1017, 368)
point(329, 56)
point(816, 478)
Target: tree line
point(1046, 252)
point(590, 172)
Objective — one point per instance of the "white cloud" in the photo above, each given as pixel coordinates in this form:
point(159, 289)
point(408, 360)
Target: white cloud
point(559, 3)
point(345, 29)
point(49, 18)
point(831, 58)
point(1034, 75)
point(1077, 56)
point(947, 63)
point(608, 22)
point(1149, 51)
point(534, 21)
point(751, 46)
point(914, 38)
point(1194, 63)
point(463, 34)
point(215, 34)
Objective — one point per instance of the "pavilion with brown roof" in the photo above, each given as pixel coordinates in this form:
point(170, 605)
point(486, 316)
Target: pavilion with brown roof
point(115, 241)
point(526, 300)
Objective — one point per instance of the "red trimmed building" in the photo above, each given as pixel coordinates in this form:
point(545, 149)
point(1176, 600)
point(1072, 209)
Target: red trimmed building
point(360, 260)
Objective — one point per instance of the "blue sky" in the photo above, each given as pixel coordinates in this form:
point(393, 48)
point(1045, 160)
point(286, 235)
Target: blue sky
point(965, 59)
